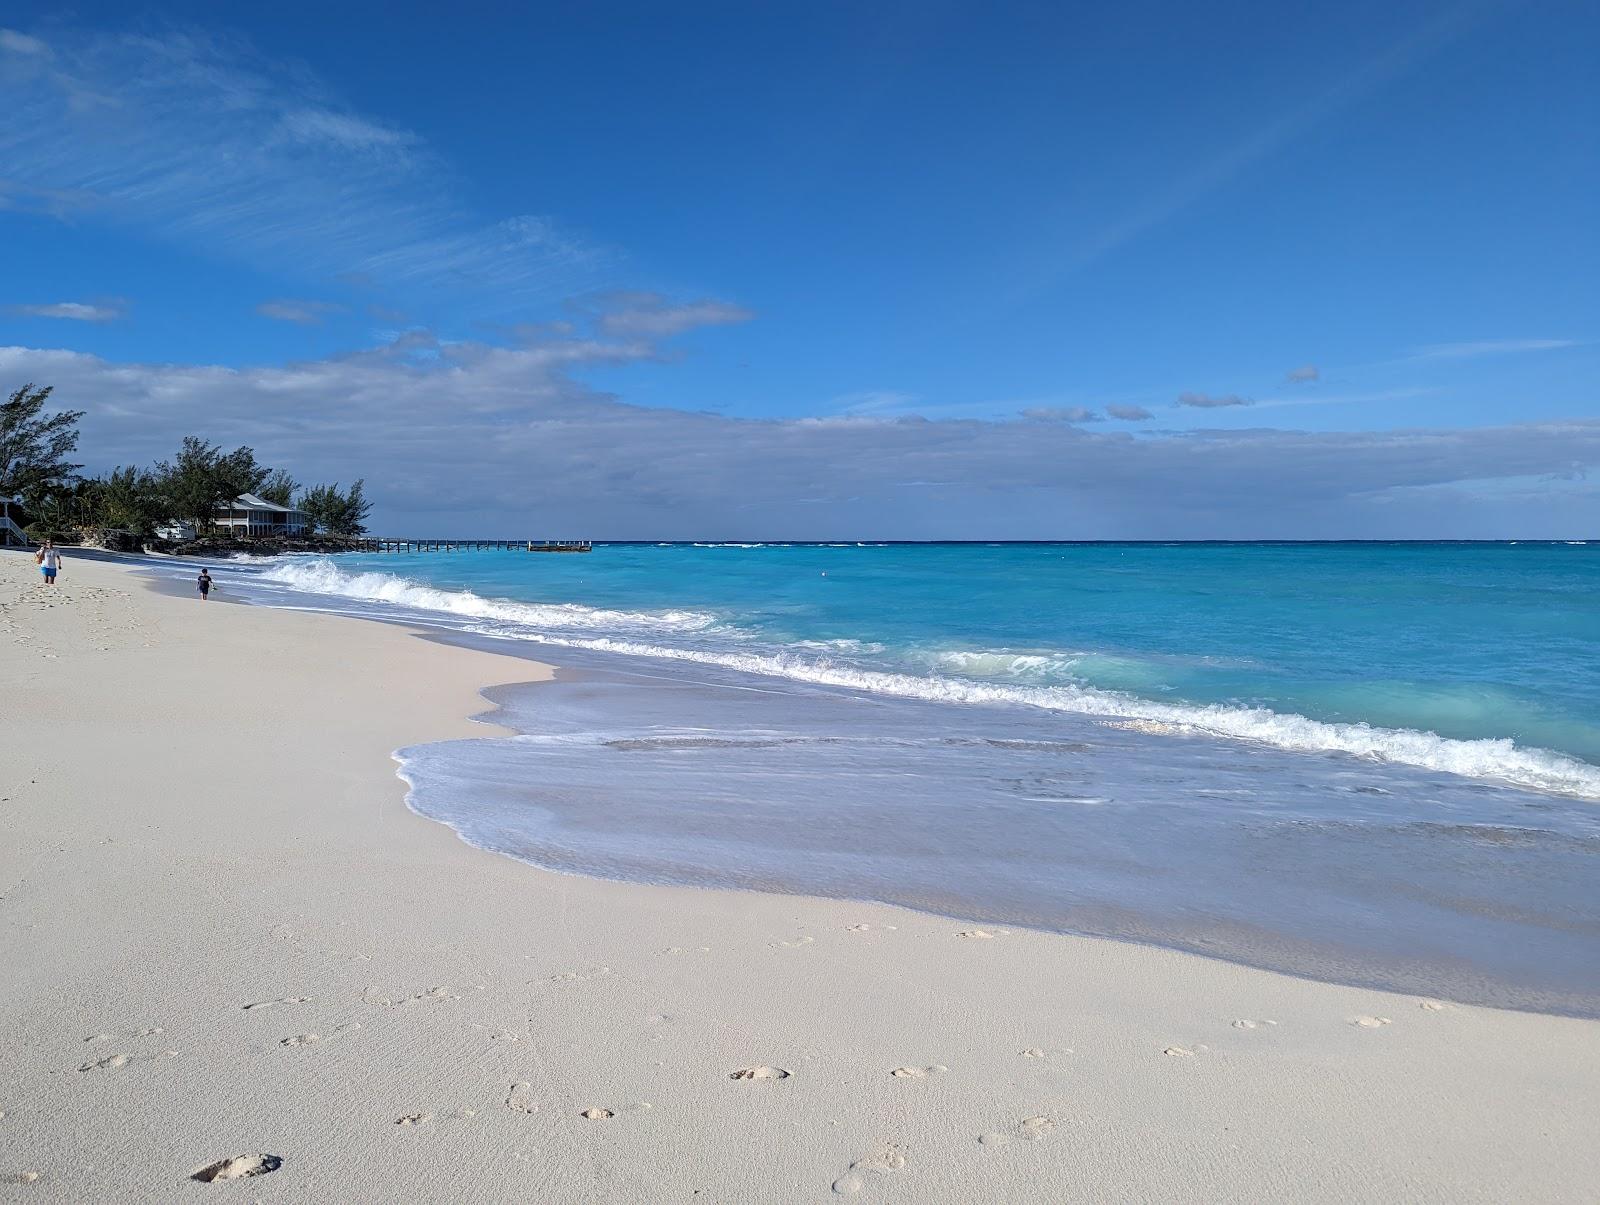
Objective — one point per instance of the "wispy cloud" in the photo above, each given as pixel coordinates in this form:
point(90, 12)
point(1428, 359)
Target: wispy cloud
point(867, 402)
point(1061, 414)
point(1302, 398)
point(15, 42)
point(1207, 401)
point(188, 139)
point(303, 313)
point(1489, 347)
point(635, 315)
point(72, 311)
point(344, 130)
point(1303, 375)
point(1129, 414)
point(1292, 120)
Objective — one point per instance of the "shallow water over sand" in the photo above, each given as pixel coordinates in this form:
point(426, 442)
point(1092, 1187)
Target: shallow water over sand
point(1324, 865)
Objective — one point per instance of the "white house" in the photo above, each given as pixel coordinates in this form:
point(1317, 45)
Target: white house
point(10, 530)
point(248, 515)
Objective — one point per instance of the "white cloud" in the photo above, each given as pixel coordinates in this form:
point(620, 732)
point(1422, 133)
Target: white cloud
point(184, 139)
point(15, 42)
point(1129, 414)
point(1060, 414)
point(1489, 347)
point(1221, 166)
point(72, 311)
point(870, 402)
point(343, 130)
point(1206, 401)
point(652, 316)
point(304, 313)
point(474, 437)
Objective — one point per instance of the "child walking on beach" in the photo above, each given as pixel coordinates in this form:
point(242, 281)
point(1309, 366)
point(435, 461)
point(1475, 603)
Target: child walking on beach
point(203, 584)
point(49, 562)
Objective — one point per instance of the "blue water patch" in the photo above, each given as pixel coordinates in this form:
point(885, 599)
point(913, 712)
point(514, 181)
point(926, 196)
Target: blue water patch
point(1482, 660)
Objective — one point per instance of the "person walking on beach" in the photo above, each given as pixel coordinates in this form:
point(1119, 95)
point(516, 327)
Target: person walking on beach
point(203, 584)
point(49, 560)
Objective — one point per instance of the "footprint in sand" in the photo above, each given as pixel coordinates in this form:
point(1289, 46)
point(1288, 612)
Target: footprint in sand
point(687, 950)
point(581, 976)
point(889, 1159)
point(109, 1063)
point(1431, 1006)
point(311, 1039)
point(981, 934)
point(113, 1062)
point(520, 1099)
point(388, 999)
point(422, 1119)
point(863, 928)
point(919, 1072)
point(1370, 1022)
point(759, 1072)
point(1034, 1128)
point(1182, 1052)
point(597, 1114)
point(29, 1177)
point(499, 1035)
point(791, 945)
point(237, 1168)
point(1246, 1023)
point(280, 1000)
point(1032, 1052)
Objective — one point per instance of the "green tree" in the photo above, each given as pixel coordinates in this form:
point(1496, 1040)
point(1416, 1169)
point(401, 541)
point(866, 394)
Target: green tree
point(129, 498)
point(277, 487)
point(34, 446)
point(337, 512)
point(202, 478)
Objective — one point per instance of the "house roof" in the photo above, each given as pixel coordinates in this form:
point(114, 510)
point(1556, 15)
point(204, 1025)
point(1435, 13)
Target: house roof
point(251, 502)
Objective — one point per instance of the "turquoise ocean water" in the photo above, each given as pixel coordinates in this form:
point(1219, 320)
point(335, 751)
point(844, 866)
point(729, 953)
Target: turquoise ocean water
point(1374, 762)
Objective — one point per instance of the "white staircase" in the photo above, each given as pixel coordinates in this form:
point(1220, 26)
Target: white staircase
point(10, 533)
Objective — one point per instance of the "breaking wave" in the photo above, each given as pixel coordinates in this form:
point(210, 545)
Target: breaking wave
point(693, 636)
point(323, 577)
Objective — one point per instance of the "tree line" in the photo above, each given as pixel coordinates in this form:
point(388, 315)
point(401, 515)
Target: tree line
point(200, 479)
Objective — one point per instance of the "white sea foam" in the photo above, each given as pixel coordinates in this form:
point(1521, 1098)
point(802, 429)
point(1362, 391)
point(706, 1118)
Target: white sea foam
point(637, 634)
point(990, 663)
point(321, 576)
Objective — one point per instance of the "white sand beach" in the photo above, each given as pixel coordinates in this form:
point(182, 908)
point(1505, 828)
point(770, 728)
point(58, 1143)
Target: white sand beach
point(224, 935)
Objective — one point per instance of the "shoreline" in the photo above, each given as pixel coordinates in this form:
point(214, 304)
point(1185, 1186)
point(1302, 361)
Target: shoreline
point(288, 964)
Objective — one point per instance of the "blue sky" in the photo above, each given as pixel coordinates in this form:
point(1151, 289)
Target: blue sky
point(585, 241)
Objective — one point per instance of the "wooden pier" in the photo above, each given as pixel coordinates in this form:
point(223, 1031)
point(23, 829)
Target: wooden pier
point(384, 544)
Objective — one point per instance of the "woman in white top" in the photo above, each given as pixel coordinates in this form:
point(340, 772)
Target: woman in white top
point(49, 562)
